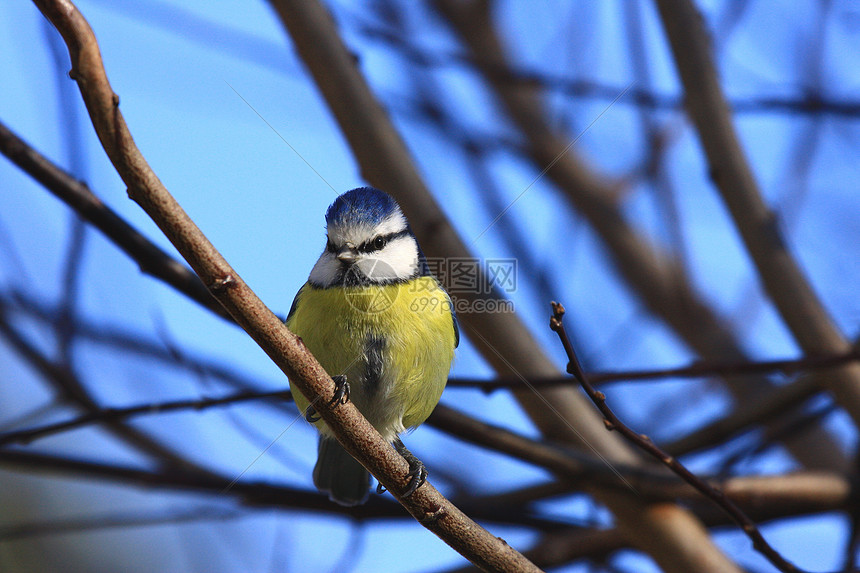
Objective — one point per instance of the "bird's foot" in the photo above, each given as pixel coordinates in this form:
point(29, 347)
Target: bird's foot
point(417, 469)
point(341, 389)
point(311, 415)
point(341, 396)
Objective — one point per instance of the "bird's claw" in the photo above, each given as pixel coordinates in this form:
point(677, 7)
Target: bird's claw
point(418, 475)
point(417, 470)
point(341, 396)
point(341, 390)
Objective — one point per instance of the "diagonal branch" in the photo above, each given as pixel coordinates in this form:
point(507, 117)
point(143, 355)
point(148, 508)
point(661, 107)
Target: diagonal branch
point(612, 423)
point(657, 279)
point(778, 270)
point(150, 257)
point(70, 388)
point(386, 162)
point(283, 347)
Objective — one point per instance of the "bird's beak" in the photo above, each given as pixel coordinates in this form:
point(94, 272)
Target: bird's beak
point(347, 254)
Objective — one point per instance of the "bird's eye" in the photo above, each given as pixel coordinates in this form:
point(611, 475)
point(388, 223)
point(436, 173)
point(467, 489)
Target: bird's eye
point(329, 246)
point(378, 243)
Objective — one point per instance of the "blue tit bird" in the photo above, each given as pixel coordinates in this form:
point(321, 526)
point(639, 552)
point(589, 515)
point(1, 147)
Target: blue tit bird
point(381, 325)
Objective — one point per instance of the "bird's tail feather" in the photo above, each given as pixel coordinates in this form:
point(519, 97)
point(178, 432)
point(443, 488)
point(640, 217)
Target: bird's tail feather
point(337, 472)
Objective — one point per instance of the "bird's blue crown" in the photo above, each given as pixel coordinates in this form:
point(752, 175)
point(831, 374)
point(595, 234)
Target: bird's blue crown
point(361, 206)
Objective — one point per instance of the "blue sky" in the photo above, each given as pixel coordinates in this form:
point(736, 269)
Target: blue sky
point(229, 120)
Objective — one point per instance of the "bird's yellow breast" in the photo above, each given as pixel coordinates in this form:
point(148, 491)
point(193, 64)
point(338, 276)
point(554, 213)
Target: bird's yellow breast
point(402, 334)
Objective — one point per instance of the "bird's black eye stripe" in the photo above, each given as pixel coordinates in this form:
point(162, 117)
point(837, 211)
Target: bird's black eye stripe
point(378, 243)
point(329, 246)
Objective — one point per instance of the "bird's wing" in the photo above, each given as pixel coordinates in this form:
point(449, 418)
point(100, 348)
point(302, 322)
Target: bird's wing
point(295, 302)
point(456, 323)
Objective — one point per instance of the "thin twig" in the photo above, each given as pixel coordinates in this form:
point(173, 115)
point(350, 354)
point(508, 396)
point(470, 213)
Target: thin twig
point(113, 414)
point(644, 442)
point(697, 369)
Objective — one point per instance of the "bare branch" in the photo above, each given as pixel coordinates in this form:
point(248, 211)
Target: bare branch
point(697, 369)
point(645, 443)
point(150, 258)
point(656, 278)
point(764, 498)
point(251, 493)
point(768, 497)
point(70, 388)
point(284, 348)
point(113, 414)
point(501, 338)
point(779, 272)
point(777, 404)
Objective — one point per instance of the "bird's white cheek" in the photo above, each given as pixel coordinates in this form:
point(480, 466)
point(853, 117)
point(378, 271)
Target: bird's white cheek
point(326, 270)
point(398, 260)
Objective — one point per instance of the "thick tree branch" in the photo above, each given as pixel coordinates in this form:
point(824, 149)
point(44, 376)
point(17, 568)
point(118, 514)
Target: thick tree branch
point(385, 162)
point(778, 270)
point(284, 348)
point(657, 279)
